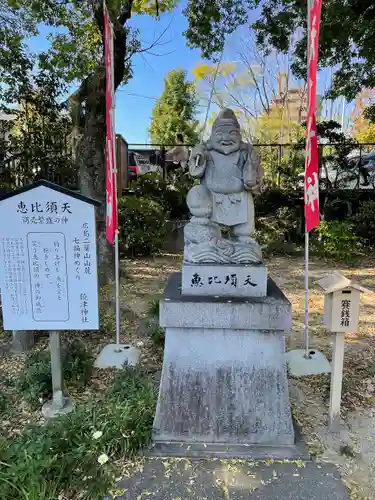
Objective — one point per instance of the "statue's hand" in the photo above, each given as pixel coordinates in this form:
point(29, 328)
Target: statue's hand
point(198, 155)
point(252, 186)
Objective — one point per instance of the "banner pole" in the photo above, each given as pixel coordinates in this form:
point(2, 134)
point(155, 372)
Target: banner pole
point(117, 256)
point(306, 329)
point(117, 278)
point(307, 354)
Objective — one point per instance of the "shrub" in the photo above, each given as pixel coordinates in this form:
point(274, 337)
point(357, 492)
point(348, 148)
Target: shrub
point(364, 221)
point(151, 185)
point(60, 459)
point(171, 194)
point(337, 240)
point(337, 209)
point(35, 382)
point(142, 225)
point(278, 235)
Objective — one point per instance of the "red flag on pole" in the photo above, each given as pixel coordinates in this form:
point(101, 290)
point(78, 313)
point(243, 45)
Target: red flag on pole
point(312, 214)
point(111, 194)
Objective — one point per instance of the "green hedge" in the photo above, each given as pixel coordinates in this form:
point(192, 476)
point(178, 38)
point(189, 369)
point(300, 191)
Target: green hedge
point(171, 194)
point(142, 226)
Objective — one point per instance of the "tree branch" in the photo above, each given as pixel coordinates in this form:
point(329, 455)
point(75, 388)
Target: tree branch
point(99, 17)
point(126, 12)
point(155, 43)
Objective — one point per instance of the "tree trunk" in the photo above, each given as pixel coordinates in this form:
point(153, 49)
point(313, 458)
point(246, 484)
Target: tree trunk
point(91, 163)
point(89, 100)
point(22, 341)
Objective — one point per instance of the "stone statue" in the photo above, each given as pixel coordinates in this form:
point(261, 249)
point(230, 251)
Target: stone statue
point(230, 173)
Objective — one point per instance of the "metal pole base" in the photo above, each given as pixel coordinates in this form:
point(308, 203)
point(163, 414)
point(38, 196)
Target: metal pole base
point(50, 410)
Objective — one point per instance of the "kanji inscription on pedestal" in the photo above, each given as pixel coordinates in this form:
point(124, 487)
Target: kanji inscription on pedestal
point(48, 261)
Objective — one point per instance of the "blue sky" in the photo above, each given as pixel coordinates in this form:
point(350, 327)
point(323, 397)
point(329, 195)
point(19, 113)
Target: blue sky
point(134, 101)
point(133, 112)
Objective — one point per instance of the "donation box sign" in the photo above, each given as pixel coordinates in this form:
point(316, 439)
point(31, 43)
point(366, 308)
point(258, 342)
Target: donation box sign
point(48, 260)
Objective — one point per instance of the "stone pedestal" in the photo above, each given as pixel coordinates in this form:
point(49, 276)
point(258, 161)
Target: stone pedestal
point(224, 388)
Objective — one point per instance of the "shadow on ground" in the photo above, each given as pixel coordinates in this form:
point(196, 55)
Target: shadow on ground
point(183, 479)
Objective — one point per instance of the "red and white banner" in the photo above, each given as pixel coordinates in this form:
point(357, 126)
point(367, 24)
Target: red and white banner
point(111, 198)
point(312, 214)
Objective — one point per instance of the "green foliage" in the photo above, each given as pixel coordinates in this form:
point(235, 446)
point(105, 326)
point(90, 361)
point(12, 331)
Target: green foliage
point(211, 22)
point(364, 221)
point(278, 234)
point(171, 194)
point(35, 381)
point(6, 403)
point(39, 133)
point(142, 225)
point(338, 240)
point(60, 459)
point(344, 41)
point(175, 111)
point(153, 309)
point(270, 199)
point(174, 196)
point(157, 335)
point(3, 403)
point(282, 165)
point(337, 209)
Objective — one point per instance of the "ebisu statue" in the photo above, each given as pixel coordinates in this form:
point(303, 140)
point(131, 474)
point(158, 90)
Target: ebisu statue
point(230, 173)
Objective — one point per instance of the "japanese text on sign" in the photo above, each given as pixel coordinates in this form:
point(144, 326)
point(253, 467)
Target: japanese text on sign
point(345, 312)
point(48, 276)
point(50, 207)
point(48, 261)
point(14, 266)
point(230, 280)
point(50, 212)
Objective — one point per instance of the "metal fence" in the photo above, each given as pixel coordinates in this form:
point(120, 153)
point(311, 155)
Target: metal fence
point(340, 167)
point(21, 169)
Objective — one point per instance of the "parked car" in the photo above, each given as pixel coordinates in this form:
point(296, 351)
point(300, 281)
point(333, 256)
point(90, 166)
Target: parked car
point(140, 165)
point(133, 170)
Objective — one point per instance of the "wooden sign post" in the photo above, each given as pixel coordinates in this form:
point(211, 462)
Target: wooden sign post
point(48, 268)
point(341, 315)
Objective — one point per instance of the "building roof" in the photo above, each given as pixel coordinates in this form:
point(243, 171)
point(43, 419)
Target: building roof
point(336, 282)
point(52, 186)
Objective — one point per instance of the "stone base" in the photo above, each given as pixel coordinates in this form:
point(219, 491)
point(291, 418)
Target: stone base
point(224, 280)
point(224, 377)
point(114, 356)
point(49, 410)
point(297, 451)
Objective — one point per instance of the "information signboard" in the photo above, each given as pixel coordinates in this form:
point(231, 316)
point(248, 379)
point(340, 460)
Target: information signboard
point(48, 259)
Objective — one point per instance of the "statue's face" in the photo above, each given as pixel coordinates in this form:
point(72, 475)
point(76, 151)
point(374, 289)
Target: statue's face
point(226, 139)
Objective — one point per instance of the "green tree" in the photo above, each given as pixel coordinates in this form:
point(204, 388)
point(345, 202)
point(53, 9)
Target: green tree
point(175, 111)
point(76, 57)
point(346, 41)
point(39, 135)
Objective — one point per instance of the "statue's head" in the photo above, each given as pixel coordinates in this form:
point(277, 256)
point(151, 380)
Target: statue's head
point(226, 133)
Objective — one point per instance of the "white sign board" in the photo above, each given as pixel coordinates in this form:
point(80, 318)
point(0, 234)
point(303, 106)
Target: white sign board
point(48, 263)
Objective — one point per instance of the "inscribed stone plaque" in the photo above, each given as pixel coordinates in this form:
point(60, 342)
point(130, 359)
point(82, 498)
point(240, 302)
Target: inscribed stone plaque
point(48, 262)
point(224, 281)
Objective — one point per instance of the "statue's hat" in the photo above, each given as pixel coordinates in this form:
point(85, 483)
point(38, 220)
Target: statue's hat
point(226, 117)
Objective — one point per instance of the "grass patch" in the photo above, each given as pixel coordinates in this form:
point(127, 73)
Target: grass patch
point(35, 381)
point(157, 335)
point(153, 309)
point(60, 459)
